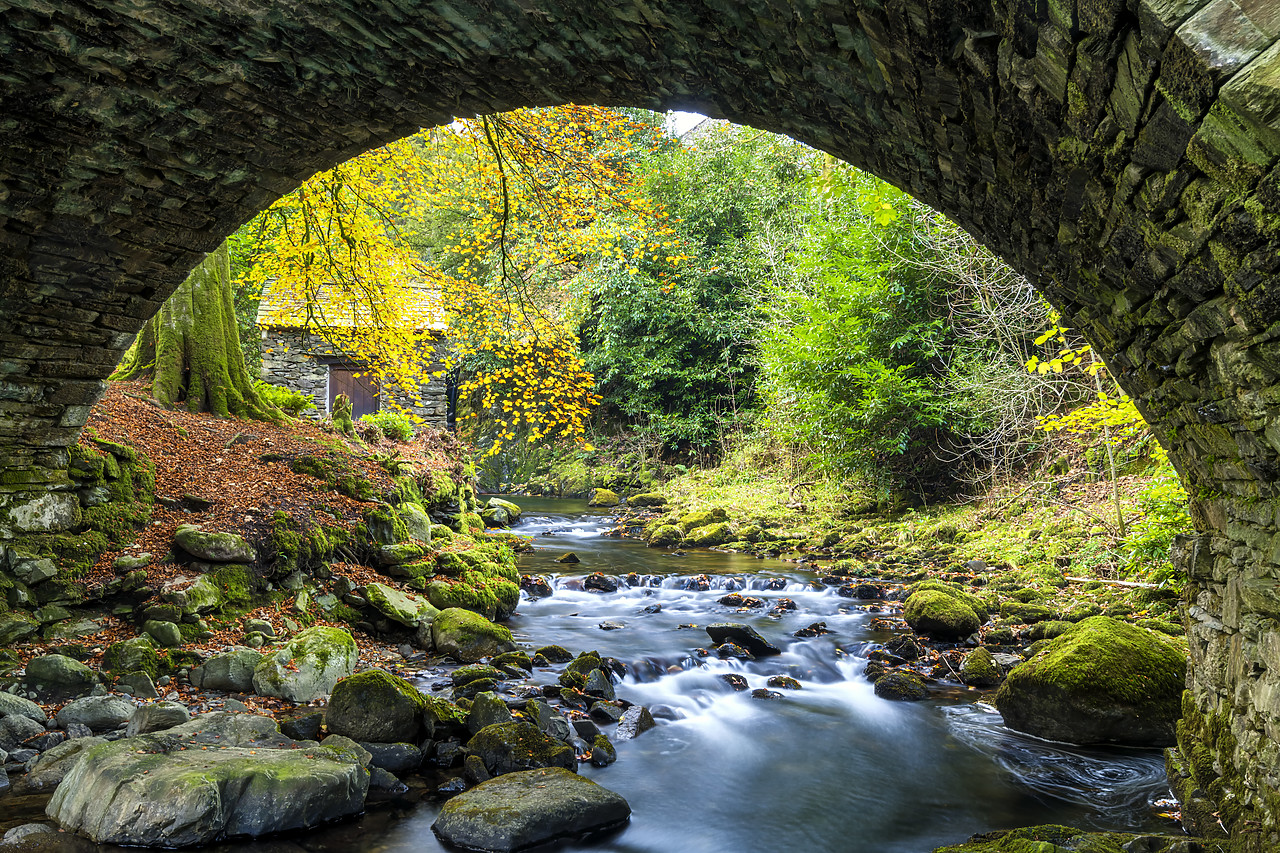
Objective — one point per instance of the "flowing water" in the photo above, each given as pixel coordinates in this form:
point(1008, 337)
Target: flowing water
point(829, 767)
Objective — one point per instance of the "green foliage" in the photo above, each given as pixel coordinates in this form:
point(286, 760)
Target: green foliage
point(292, 403)
point(1164, 515)
point(393, 424)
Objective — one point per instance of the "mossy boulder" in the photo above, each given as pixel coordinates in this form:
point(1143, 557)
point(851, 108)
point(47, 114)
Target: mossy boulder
point(15, 626)
point(308, 666)
point(980, 669)
point(515, 746)
point(521, 810)
point(901, 687)
point(709, 535)
point(1104, 681)
point(402, 607)
point(192, 595)
point(1027, 614)
point(665, 535)
point(376, 706)
point(231, 671)
point(136, 655)
point(701, 518)
point(468, 636)
point(647, 499)
point(973, 602)
point(59, 675)
point(1066, 839)
point(940, 615)
point(603, 498)
point(211, 547)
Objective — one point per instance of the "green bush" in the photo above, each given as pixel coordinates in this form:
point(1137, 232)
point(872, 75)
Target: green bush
point(394, 425)
point(292, 403)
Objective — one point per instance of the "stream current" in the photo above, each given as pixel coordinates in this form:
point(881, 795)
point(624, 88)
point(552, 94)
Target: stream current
point(829, 767)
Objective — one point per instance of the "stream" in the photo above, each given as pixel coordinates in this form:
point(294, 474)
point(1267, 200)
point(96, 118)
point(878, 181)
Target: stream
point(829, 767)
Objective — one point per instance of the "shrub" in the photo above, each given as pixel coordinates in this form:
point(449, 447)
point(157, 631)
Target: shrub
point(292, 403)
point(394, 425)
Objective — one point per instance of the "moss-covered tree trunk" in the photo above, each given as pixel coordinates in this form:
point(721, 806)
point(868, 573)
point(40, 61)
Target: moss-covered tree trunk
point(191, 349)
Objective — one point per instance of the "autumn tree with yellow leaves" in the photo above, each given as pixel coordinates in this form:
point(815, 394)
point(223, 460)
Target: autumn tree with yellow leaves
point(470, 225)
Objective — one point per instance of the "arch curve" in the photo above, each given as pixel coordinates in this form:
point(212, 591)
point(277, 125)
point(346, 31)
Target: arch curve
point(1121, 153)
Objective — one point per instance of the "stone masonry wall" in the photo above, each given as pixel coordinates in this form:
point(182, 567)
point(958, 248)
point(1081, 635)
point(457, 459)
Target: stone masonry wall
point(1121, 153)
point(296, 359)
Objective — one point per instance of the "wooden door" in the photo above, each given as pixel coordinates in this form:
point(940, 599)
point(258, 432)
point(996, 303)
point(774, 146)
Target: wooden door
point(363, 389)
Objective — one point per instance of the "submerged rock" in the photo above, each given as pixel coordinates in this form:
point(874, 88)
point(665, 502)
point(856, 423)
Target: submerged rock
point(1104, 681)
point(523, 809)
point(145, 792)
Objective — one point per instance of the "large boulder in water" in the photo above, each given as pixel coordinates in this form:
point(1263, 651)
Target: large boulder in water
point(148, 792)
point(1104, 681)
point(508, 747)
point(375, 706)
point(742, 635)
point(308, 666)
point(523, 809)
point(469, 636)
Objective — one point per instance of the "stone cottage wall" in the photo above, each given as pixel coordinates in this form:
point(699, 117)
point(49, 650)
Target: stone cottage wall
point(299, 360)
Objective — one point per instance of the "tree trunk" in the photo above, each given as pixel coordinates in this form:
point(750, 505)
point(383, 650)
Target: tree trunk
point(191, 349)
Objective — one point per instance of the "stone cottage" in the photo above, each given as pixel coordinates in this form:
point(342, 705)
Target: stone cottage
point(297, 356)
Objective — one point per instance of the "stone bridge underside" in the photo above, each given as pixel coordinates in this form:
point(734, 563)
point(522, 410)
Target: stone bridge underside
point(1121, 153)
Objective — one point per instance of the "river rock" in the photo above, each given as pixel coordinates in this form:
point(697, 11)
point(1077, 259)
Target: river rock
point(16, 625)
point(1104, 681)
point(509, 747)
point(393, 757)
point(901, 687)
point(635, 721)
point(742, 635)
point(376, 706)
point(940, 615)
point(979, 669)
point(143, 791)
point(155, 717)
point(407, 609)
point(21, 833)
point(308, 666)
point(523, 809)
point(135, 655)
point(513, 511)
point(665, 535)
point(709, 535)
point(603, 498)
point(192, 595)
point(53, 764)
point(100, 713)
point(165, 634)
point(16, 729)
point(487, 709)
point(16, 706)
point(231, 672)
point(138, 685)
point(468, 636)
point(213, 547)
point(597, 582)
point(59, 676)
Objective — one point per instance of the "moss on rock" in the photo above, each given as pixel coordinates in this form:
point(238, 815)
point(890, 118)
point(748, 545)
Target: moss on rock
point(376, 706)
point(1104, 681)
point(940, 615)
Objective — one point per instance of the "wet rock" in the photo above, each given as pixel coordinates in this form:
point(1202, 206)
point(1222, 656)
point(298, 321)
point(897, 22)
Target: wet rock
point(54, 763)
point(979, 669)
point(156, 717)
point(519, 659)
point(606, 712)
point(816, 629)
point(651, 608)
point(487, 709)
point(99, 713)
point(612, 625)
point(603, 752)
point(305, 726)
point(742, 635)
point(549, 721)
point(902, 687)
point(511, 747)
point(732, 650)
point(26, 831)
point(308, 666)
point(41, 743)
point(904, 646)
point(213, 547)
point(468, 636)
point(568, 557)
point(175, 798)
point(597, 582)
point(231, 671)
point(398, 758)
point(521, 810)
point(1104, 681)
point(536, 587)
point(599, 685)
point(861, 592)
point(585, 729)
point(556, 654)
point(635, 721)
point(762, 693)
point(735, 599)
point(737, 682)
point(464, 675)
point(376, 706)
point(784, 682)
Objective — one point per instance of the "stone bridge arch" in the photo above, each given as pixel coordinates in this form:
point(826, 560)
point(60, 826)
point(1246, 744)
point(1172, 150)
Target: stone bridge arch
point(1122, 153)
